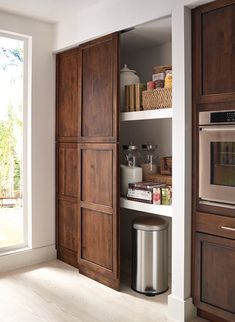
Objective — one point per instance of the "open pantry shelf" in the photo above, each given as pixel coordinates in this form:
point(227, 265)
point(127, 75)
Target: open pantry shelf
point(145, 207)
point(162, 113)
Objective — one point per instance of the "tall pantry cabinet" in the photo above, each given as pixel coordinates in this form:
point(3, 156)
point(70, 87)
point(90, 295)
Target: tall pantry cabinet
point(87, 135)
point(213, 275)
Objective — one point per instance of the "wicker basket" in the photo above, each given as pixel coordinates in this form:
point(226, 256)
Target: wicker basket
point(158, 178)
point(157, 98)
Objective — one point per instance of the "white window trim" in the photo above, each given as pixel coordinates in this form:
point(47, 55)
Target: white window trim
point(27, 134)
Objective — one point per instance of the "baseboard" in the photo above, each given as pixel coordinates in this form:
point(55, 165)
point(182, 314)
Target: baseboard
point(181, 310)
point(27, 257)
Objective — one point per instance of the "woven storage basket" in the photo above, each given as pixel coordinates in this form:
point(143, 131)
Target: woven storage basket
point(157, 98)
point(158, 178)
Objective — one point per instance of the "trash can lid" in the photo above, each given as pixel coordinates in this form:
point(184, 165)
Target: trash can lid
point(150, 223)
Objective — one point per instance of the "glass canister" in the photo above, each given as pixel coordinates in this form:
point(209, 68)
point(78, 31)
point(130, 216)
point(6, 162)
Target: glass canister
point(150, 157)
point(132, 155)
point(130, 172)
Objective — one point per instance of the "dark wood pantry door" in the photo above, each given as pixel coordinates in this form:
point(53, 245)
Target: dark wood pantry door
point(99, 88)
point(87, 158)
point(98, 252)
point(98, 218)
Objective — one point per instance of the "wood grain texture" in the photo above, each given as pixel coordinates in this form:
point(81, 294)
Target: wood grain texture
point(99, 86)
point(213, 52)
point(97, 177)
point(67, 224)
point(88, 172)
point(97, 238)
point(218, 50)
point(68, 256)
point(98, 223)
point(212, 224)
point(215, 287)
point(213, 90)
point(67, 155)
point(67, 94)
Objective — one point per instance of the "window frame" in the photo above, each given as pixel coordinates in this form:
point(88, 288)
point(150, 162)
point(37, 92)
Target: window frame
point(27, 167)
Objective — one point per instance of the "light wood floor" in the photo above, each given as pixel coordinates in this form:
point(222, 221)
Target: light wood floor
point(56, 292)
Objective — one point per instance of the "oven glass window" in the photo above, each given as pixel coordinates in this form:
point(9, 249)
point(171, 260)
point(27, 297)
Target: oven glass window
point(223, 163)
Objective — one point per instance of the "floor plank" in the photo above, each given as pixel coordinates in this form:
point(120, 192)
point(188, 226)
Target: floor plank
point(56, 292)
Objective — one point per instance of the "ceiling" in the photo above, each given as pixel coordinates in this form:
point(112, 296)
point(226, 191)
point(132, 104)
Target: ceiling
point(147, 35)
point(45, 10)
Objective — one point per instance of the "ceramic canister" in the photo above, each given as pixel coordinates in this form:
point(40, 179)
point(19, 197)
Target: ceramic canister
point(127, 77)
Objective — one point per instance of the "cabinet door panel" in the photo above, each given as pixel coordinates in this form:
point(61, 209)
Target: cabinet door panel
point(97, 183)
point(100, 90)
point(67, 94)
point(214, 275)
point(97, 238)
point(67, 224)
point(218, 51)
point(98, 251)
point(67, 155)
point(214, 53)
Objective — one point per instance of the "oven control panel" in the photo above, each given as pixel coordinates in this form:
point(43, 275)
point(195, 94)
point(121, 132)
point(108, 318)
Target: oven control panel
point(222, 117)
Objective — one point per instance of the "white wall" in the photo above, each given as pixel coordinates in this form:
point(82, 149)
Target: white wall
point(108, 16)
point(43, 141)
point(143, 60)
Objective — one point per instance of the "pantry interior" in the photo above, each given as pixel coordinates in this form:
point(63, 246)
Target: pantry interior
point(142, 48)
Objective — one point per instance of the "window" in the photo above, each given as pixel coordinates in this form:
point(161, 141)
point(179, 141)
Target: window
point(14, 139)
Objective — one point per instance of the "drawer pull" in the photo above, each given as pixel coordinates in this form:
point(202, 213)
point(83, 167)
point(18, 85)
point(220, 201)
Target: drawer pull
point(228, 228)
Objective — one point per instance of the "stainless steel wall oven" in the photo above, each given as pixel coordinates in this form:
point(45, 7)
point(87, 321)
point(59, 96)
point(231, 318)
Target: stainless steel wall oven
point(217, 158)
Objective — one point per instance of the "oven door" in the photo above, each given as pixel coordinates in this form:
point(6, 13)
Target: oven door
point(217, 164)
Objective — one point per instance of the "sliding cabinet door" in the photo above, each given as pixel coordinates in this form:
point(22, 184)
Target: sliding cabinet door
point(99, 88)
point(98, 213)
point(98, 223)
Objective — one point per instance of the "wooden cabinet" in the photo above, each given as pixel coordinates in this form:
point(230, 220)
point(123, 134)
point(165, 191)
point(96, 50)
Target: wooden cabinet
point(213, 245)
point(214, 54)
point(87, 158)
point(214, 275)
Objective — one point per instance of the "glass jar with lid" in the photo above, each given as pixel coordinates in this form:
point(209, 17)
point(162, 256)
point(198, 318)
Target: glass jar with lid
point(131, 172)
point(132, 155)
point(150, 157)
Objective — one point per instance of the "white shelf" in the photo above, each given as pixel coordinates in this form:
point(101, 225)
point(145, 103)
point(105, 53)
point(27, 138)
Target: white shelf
point(162, 113)
point(145, 207)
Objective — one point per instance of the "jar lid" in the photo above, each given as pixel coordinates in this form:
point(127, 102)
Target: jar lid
point(126, 69)
point(130, 146)
point(149, 146)
point(150, 223)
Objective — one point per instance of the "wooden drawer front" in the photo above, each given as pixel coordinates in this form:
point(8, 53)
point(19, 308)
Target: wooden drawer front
point(215, 225)
point(214, 276)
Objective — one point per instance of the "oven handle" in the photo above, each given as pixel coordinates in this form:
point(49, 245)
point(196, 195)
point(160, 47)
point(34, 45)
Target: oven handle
point(217, 128)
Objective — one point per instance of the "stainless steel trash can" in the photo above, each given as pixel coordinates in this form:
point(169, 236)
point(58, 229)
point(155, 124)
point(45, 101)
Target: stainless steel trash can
point(150, 255)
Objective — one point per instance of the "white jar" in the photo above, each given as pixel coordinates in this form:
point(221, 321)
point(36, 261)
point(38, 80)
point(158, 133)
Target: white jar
point(129, 175)
point(127, 77)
